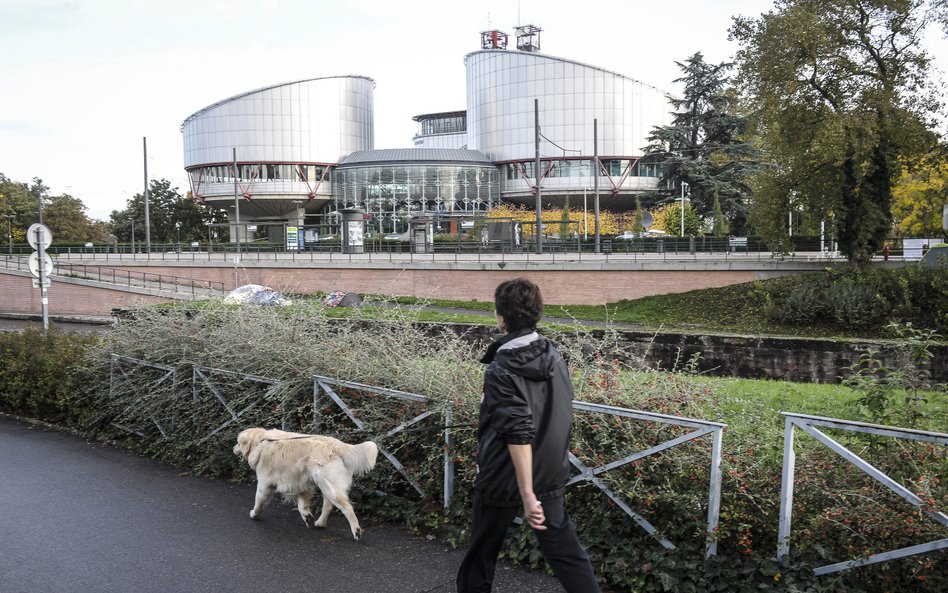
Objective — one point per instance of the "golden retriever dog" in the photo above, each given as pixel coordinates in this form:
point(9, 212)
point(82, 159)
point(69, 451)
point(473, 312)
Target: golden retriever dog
point(294, 465)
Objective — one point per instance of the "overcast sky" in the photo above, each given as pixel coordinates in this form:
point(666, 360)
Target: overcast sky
point(83, 81)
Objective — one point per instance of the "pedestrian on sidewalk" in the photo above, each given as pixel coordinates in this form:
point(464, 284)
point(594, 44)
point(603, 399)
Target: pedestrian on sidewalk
point(523, 438)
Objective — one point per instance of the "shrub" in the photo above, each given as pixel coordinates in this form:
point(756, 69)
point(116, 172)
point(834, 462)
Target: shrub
point(41, 375)
point(863, 299)
point(804, 304)
point(855, 301)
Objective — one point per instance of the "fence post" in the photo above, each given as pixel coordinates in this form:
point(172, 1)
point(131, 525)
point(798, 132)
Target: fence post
point(786, 491)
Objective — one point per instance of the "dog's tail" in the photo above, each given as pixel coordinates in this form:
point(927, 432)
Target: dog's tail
point(360, 459)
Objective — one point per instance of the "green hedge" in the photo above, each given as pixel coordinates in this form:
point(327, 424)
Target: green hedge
point(42, 374)
point(864, 299)
point(839, 514)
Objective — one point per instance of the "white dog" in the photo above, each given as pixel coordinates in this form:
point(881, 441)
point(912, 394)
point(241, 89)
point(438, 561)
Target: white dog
point(294, 464)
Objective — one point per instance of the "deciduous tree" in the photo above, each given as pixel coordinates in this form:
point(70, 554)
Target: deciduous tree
point(166, 206)
point(920, 194)
point(64, 215)
point(840, 90)
point(67, 221)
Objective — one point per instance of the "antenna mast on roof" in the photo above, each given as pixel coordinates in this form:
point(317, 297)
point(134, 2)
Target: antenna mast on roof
point(528, 38)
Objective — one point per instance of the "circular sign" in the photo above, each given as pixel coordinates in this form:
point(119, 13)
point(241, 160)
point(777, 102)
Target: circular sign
point(39, 234)
point(34, 264)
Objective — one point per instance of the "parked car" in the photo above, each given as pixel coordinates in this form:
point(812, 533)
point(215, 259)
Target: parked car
point(625, 236)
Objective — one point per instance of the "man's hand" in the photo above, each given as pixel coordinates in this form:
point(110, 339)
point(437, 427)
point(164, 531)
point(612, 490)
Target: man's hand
point(533, 512)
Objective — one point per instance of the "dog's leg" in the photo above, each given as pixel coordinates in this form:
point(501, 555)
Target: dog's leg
point(342, 503)
point(264, 492)
point(303, 502)
point(324, 516)
point(337, 497)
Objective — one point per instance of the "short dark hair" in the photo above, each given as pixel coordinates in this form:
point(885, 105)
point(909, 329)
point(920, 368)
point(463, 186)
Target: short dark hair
point(520, 304)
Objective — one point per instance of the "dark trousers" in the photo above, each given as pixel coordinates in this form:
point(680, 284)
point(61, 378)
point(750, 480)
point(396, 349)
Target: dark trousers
point(559, 544)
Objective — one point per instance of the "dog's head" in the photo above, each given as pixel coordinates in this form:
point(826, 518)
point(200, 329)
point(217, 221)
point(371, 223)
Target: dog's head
point(247, 440)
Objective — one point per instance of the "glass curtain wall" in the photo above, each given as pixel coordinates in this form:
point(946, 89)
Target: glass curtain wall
point(394, 193)
point(581, 168)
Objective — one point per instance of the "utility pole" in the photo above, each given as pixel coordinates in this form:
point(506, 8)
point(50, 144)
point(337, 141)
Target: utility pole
point(596, 183)
point(236, 210)
point(147, 217)
point(683, 185)
point(539, 205)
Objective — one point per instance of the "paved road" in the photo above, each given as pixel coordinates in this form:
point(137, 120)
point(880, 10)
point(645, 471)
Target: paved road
point(83, 517)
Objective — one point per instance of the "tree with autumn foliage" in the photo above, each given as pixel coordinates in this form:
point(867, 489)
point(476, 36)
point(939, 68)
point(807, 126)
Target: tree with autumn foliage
point(839, 92)
point(920, 194)
point(668, 219)
point(553, 219)
point(64, 215)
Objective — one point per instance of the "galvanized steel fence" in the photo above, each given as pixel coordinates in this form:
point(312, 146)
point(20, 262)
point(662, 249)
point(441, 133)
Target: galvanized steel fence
point(142, 414)
point(809, 424)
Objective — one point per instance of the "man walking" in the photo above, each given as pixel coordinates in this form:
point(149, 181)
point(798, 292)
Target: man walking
point(523, 438)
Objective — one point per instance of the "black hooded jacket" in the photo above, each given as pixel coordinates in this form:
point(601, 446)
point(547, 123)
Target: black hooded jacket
point(527, 401)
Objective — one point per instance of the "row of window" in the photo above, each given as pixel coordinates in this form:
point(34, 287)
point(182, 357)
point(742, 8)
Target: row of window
point(445, 125)
point(420, 181)
point(222, 173)
point(583, 168)
point(417, 183)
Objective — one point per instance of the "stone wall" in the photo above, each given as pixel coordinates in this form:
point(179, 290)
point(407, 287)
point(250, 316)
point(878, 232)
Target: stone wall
point(800, 360)
point(788, 359)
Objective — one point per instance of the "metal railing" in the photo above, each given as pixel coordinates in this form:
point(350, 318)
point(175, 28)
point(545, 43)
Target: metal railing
point(702, 428)
point(375, 246)
point(137, 411)
point(122, 277)
point(478, 253)
point(143, 409)
point(328, 385)
point(233, 411)
point(808, 424)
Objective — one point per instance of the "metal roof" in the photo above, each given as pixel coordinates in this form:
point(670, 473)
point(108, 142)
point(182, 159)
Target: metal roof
point(439, 115)
point(267, 88)
point(415, 155)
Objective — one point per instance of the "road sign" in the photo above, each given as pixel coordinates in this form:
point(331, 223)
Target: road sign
point(34, 264)
point(36, 283)
point(45, 236)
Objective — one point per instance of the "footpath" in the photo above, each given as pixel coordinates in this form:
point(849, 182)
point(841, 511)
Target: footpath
point(86, 517)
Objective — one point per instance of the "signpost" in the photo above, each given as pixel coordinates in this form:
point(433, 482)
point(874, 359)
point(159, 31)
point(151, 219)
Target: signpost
point(41, 266)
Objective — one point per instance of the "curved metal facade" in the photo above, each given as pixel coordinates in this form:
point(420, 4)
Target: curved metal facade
point(316, 120)
point(502, 86)
point(572, 99)
point(285, 136)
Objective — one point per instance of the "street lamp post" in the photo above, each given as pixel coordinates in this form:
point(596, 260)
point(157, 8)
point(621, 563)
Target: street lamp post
point(236, 208)
point(132, 220)
point(683, 186)
point(10, 218)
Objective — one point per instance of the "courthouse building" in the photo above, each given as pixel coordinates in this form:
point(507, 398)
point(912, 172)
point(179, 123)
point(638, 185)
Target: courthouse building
point(300, 152)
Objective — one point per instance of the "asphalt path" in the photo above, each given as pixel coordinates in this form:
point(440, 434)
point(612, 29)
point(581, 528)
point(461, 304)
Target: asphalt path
point(85, 517)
